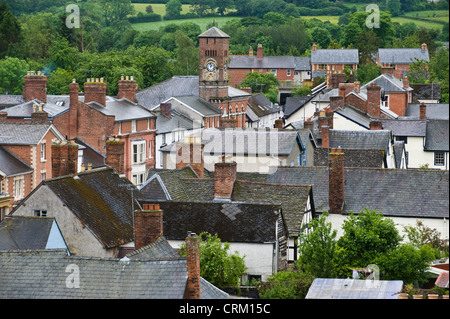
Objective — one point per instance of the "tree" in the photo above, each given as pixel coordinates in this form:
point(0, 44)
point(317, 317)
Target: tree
point(367, 72)
point(317, 248)
point(418, 72)
point(421, 235)
point(149, 9)
point(58, 82)
point(288, 284)
point(115, 11)
point(62, 54)
point(10, 30)
point(321, 36)
point(260, 82)
point(187, 55)
point(217, 265)
point(367, 43)
point(12, 71)
point(173, 8)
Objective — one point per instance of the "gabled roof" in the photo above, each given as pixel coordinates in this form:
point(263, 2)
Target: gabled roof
point(11, 165)
point(197, 104)
point(262, 106)
point(159, 249)
point(267, 62)
point(406, 127)
point(388, 83)
point(178, 121)
point(25, 133)
point(213, 32)
point(402, 56)
point(20, 232)
point(24, 110)
point(101, 199)
point(293, 104)
point(438, 111)
point(335, 56)
point(387, 190)
point(302, 63)
point(372, 140)
point(122, 110)
point(437, 136)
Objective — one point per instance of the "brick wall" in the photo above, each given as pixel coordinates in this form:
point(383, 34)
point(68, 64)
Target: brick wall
point(148, 225)
point(193, 267)
point(336, 181)
point(224, 177)
point(398, 103)
point(35, 87)
point(115, 155)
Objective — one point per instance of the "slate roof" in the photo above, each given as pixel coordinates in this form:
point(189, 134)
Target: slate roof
point(426, 91)
point(267, 62)
point(11, 165)
point(399, 149)
point(100, 198)
point(335, 56)
point(330, 288)
point(262, 106)
point(434, 111)
point(406, 127)
point(19, 232)
point(302, 63)
point(353, 157)
point(24, 276)
point(24, 110)
point(23, 133)
point(199, 105)
point(122, 110)
point(437, 136)
point(231, 221)
point(7, 100)
point(213, 32)
point(372, 140)
point(402, 56)
point(388, 84)
point(176, 122)
point(293, 104)
point(159, 249)
point(391, 193)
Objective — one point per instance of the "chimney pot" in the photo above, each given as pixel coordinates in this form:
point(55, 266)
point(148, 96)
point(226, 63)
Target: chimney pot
point(423, 111)
point(259, 51)
point(127, 89)
point(190, 152)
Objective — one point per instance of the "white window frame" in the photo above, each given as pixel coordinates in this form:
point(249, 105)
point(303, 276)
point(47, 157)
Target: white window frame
point(288, 72)
point(138, 151)
point(438, 157)
point(43, 152)
point(133, 126)
point(138, 178)
point(18, 188)
point(150, 149)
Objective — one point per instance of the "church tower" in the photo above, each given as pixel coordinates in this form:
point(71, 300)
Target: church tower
point(213, 64)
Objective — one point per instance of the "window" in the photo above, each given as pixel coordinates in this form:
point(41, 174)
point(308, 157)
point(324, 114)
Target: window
point(402, 138)
point(274, 71)
point(138, 152)
point(288, 72)
point(43, 176)
point(322, 67)
point(40, 213)
point(133, 126)
point(18, 189)
point(138, 178)
point(439, 158)
point(150, 149)
point(43, 155)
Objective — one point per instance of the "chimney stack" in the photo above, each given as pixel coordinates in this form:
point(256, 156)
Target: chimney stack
point(357, 86)
point(225, 173)
point(423, 111)
point(387, 69)
point(405, 82)
point(64, 159)
point(375, 125)
point(115, 155)
point(127, 88)
point(250, 51)
point(3, 116)
point(336, 181)
point(424, 46)
point(325, 136)
point(166, 109)
point(259, 51)
point(336, 102)
point(190, 152)
point(95, 91)
point(314, 47)
point(35, 87)
point(308, 124)
point(278, 123)
point(373, 100)
point(193, 266)
point(39, 115)
point(148, 225)
point(73, 109)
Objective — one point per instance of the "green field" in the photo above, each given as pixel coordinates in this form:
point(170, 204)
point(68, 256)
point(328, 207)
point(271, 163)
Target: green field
point(158, 8)
point(202, 22)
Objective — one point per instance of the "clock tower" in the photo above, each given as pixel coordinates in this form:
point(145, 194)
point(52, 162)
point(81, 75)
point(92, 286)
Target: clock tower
point(213, 64)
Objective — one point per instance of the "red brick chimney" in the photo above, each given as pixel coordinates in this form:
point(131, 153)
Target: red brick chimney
point(73, 109)
point(336, 102)
point(64, 159)
point(278, 123)
point(342, 91)
point(148, 225)
point(336, 181)
point(308, 124)
point(228, 123)
point(423, 111)
point(127, 88)
point(314, 47)
point(115, 155)
point(39, 115)
point(3, 116)
point(193, 267)
point(190, 152)
point(424, 46)
point(95, 91)
point(259, 51)
point(375, 125)
point(35, 87)
point(325, 136)
point(357, 86)
point(388, 69)
point(405, 82)
point(250, 51)
point(373, 100)
point(224, 177)
point(166, 109)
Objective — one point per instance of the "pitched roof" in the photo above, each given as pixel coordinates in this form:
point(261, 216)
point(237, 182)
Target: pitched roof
point(262, 106)
point(267, 62)
point(11, 165)
point(100, 198)
point(426, 91)
point(198, 104)
point(434, 111)
point(405, 127)
point(25, 133)
point(330, 288)
point(372, 140)
point(159, 249)
point(19, 232)
point(388, 84)
point(402, 56)
point(335, 56)
point(353, 157)
point(437, 135)
point(302, 63)
point(391, 193)
point(213, 32)
point(293, 104)
point(24, 110)
point(178, 121)
point(122, 110)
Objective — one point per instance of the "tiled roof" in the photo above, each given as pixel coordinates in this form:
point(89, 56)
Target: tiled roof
point(213, 32)
point(391, 193)
point(19, 232)
point(293, 104)
point(388, 83)
point(25, 276)
point(426, 91)
point(437, 136)
point(372, 140)
point(399, 148)
point(176, 122)
point(353, 157)
point(23, 133)
point(199, 104)
point(7, 100)
point(101, 200)
point(11, 165)
point(159, 249)
point(24, 110)
point(262, 106)
point(402, 56)
point(302, 63)
point(335, 56)
point(406, 127)
point(439, 111)
point(267, 62)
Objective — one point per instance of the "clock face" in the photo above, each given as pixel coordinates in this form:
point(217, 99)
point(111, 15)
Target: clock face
point(210, 66)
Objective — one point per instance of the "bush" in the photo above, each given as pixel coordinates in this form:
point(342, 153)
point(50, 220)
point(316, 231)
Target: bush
point(290, 284)
point(145, 17)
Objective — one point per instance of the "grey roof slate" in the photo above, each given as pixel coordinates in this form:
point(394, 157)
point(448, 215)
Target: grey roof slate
point(372, 140)
point(335, 56)
point(19, 232)
point(437, 136)
point(402, 56)
point(24, 110)
point(388, 83)
point(122, 110)
point(23, 133)
point(11, 165)
point(176, 122)
point(399, 149)
point(302, 63)
point(293, 104)
point(405, 127)
point(199, 104)
point(426, 91)
point(262, 106)
point(7, 100)
point(159, 249)
point(387, 190)
point(330, 288)
point(353, 157)
point(438, 111)
point(267, 62)
point(213, 32)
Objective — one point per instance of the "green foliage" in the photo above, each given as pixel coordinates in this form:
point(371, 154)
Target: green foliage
point(317, 248)
point(58, 82)
point(12, 71)
point(289, 284)
point(173, 9)
point(217, 265)
point(421, 235)
point(260, 82)
point(367, 72)
point(10, 31)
